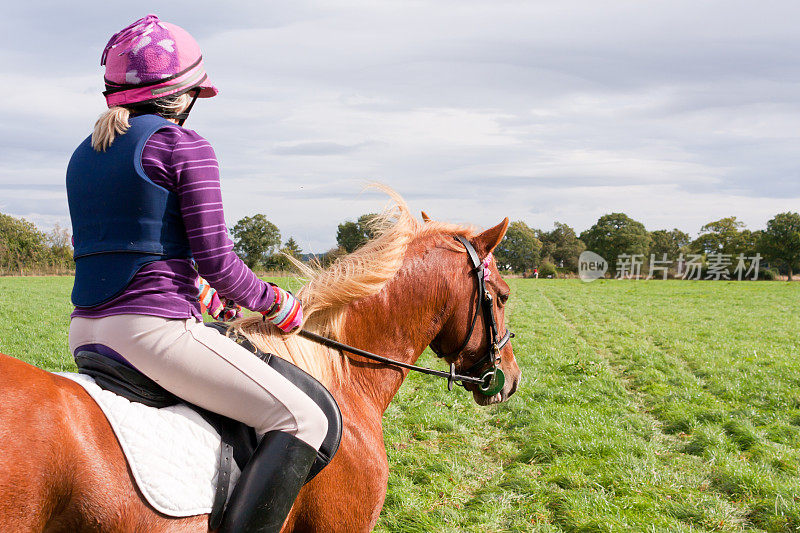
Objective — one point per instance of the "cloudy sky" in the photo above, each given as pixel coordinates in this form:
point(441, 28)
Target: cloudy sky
point(676, 113)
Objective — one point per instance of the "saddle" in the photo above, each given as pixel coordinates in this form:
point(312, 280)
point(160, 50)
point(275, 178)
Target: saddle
point(238, 440)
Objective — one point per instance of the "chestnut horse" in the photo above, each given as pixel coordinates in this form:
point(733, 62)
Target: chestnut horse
point(62, 470)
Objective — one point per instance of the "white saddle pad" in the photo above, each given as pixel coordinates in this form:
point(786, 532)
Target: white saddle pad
point(173, 453)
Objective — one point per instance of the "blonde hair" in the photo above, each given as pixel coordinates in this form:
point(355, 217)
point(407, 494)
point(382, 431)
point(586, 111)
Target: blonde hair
point(328, 292)
point(116, 120)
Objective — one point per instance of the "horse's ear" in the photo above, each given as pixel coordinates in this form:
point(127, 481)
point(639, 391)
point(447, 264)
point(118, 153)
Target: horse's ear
point(489, 239)
point(425, 217)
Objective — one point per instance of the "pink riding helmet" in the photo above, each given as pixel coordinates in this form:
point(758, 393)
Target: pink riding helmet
point(151, 59)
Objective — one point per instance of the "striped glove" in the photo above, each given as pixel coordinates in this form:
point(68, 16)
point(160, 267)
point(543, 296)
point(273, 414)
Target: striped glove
point(286, 312)
point(219, 307)
point(231, 311)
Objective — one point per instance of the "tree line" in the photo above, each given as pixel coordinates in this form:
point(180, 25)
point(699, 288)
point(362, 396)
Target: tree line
point(26, 249)
point(617, 235)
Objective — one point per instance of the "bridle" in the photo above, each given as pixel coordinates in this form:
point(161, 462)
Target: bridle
point(492, 378)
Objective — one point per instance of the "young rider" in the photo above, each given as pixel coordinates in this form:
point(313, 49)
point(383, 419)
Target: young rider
point(145, 202)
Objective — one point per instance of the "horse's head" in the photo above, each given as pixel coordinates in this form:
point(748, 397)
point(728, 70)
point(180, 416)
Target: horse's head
point(467, 338)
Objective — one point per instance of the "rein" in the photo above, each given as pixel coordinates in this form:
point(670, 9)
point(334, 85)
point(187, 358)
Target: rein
point(451, 376)
point(490, 382)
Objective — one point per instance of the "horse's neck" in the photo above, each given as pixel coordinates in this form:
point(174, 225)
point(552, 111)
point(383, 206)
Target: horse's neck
point(398, 324)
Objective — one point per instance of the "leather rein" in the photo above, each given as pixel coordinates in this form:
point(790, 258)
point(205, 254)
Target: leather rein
point(491, 381)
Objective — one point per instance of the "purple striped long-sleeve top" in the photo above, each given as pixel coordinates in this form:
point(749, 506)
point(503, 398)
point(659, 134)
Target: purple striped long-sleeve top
point(182, 161)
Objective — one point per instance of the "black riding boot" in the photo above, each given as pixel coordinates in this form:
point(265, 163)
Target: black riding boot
point(269, 485)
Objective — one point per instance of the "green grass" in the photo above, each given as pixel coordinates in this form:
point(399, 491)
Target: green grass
point(645, 406)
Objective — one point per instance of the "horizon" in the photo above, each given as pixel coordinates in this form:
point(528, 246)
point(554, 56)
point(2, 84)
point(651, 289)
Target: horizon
point(304, 252)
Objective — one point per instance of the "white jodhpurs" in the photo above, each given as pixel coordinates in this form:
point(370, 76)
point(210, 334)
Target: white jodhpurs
point(203, 367)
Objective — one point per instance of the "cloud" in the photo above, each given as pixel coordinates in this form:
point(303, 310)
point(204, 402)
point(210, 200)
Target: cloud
point(317, 148)
point(675, 113)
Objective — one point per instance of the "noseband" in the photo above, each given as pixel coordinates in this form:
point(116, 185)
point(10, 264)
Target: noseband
point(492, 378)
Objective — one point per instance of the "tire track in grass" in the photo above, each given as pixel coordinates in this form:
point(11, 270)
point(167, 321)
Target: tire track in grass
point(700, 350)
point(760, 488)
point(636, 397)
point(753, 476)
point(617, 361)
point(688, 368)
point(698, 508)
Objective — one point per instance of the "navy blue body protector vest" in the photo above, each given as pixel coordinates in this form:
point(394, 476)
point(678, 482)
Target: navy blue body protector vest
point(121, 220)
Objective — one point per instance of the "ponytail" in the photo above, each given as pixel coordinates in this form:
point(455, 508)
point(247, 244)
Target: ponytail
point(116, 120)
point(113, 122)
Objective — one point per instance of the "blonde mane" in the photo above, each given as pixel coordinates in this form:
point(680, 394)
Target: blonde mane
point(328, 292)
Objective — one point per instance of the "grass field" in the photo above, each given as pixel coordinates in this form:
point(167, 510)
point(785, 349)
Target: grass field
point(645, 406)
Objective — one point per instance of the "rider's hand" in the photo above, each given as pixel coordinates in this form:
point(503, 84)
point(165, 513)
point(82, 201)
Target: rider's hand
point(231, 311)
point(218, 307)
point(209, 299)
point(286, 312)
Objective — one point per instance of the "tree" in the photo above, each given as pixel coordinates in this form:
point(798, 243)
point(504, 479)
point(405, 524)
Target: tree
point(780, 242)
point(279, 261)
point(747, 243)
point(59, 237)
point(352, 235)
point(723, 236)
point(60, 244)
point(726, 236)
point(349, 236)
point(367, 223)
point(616, 234)
point(291, 247)
point(520, 249)
point(672, 243)
point(562, 245)
point(22, 245)
point(255, 239)
point(328, 258)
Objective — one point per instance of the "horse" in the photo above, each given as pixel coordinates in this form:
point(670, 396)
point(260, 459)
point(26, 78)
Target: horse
point(62, 469)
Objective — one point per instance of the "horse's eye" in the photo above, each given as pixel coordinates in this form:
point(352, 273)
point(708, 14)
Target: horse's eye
point(502, 299)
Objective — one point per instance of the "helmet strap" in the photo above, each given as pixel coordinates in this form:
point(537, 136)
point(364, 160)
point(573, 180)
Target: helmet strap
point(181, 117)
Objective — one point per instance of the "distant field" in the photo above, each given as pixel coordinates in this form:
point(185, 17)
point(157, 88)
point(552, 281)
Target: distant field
point(645, 406)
